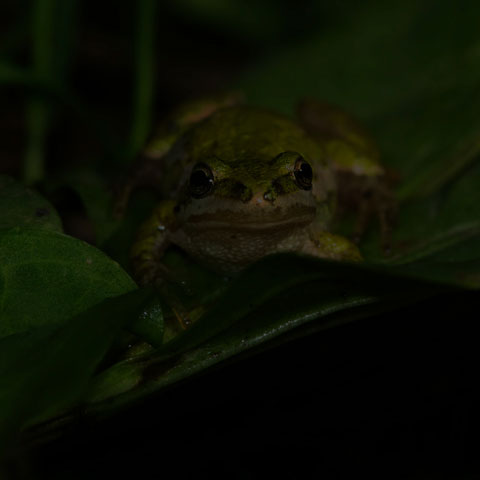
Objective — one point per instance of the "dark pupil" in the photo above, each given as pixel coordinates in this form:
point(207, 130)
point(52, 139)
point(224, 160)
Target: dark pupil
point(200, 182)
point(304, 175)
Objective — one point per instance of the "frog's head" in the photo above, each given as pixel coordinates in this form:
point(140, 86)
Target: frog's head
point(253, 170)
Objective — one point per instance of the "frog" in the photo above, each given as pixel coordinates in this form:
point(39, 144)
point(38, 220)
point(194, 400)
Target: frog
point(240, 182)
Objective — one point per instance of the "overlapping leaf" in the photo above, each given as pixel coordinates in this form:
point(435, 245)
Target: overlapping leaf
point(47, 369)
point(46, 277)
point(255, 309)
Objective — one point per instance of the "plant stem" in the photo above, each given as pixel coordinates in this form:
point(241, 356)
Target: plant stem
point(52, 31)
point(56, 94)
point(144, 75)
point(38, 110)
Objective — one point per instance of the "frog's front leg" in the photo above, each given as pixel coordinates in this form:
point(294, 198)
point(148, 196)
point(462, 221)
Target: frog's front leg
point(151, 242)
point(323, 244)
point(148, 268)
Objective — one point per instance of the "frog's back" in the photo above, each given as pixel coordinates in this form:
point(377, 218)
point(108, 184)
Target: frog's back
point(241, 136)
point(241, 133)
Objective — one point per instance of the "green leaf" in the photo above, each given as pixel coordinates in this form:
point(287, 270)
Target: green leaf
point(46, 370)
point(46, 277)
point(23, 207)
point(458, 263)
point(256, 309)
point(150, 325)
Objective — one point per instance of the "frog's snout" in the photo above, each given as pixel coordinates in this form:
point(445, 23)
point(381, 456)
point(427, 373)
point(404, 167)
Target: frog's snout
point(262, 198)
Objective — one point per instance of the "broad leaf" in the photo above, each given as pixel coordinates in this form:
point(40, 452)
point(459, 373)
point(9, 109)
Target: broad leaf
point(46, 370)
point(255, 309)
point(46, 277)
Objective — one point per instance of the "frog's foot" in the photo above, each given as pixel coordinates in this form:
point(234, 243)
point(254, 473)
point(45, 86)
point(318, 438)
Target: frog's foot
point(186, 318)
point(150, 272)
point(178, 317)
point(368, 197)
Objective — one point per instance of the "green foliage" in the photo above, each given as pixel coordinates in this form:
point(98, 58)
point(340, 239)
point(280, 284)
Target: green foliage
point(279, 298)
point(408, 71)
point(46, 277)
point(61, 308)
point(47, 369)
point(23, 207)
point(145, 76)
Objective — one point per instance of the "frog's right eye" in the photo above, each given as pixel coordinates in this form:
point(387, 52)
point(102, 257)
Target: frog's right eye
point(201, 180)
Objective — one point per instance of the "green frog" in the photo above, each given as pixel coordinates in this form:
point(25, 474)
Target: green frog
point(240, 182)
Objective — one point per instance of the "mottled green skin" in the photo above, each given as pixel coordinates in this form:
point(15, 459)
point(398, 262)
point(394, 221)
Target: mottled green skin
point(255, 148)
point(240, 143)
point(252, 154)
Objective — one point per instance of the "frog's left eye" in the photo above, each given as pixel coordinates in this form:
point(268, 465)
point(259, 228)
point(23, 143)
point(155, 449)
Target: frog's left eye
point(201, 180)
point(303, 173)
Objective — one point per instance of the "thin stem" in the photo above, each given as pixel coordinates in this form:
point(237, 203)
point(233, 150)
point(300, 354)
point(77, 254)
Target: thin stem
point(38, 110)
point(143, 75)
point(57, 94)
point(52, 33)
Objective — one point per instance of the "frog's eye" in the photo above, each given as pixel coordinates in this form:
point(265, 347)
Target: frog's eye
point(303, 174)
point(201, 180)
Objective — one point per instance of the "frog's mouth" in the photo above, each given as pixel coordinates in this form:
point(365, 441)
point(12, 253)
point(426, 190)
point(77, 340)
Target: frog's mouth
point(246, 221)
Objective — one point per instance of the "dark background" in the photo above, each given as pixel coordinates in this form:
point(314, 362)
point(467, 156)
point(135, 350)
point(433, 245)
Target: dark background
point(194, 56)
point(393, 396)
point(389, 397)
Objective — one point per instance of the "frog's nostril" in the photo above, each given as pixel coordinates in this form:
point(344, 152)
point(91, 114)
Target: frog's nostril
point(269, 196)
point(242, 192)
